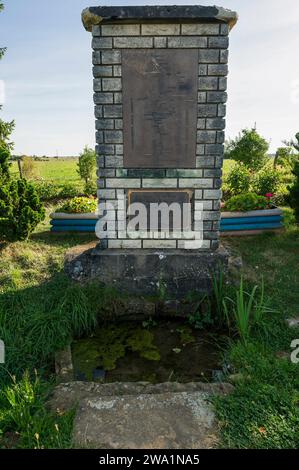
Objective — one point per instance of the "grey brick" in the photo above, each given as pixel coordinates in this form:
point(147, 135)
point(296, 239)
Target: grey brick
point(217, 207)
point(224, 56)
point(107, 194)
point(121, 30)
point(101, 43)
point(97, 85)
point(106, 172)
point(99, 137)
point(146, 173)
point(100, 71)
point(105, 149)
point(207, 205)
point(211, 215)
point(220, 137)
point(119, 124)
point(202, 69)
point(218, 70)
point(103, 98)
point(119, 149)
point(207, 110)
point(205, 161)
point(219, 161)
point(206, 137)
point(117, 71)
point(215, 123)
point(160, 43)
point(133, 42)
point(218, 42)
point(198, 194)
point(200, 149)
point(212, 173)
point(217, 97)
point(184, 173)
point(111, 84)
point(211, 235)
point(199, 183)
point(113, 111)
point(98, 111)
point(221, 110)
point(214, 149)
point(111, 57)
point(222, 84)
point(124, 244)
point(201, 124)
point(224, 29)
point(159, 183)
point(104, 124)
point(96, 30)
point(96, 59)
point(208, 83)
point(113, 137)
point(100, 159)
point(101, 183)
point(123, 183)
point(217, 183)
point(212, 194)
point(112, 161)
point(118, 98)
point(203, 29)
point(180, 41)
point(207, 56)
point(207, 225)
point(202, 97)
point(160, 29)
point(121, 173)
point(156, 244)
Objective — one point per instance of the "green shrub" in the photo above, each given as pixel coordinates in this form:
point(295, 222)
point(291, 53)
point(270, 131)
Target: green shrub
point(87, 164)
point(47, 190)
point(293, 198)
point(238, 180)
point(249, 148)
point(79, 205)
point(21, 207)
point(69, 190)
point(246, 202)
point(90, 189)
point(280, 198)
point(266, 181)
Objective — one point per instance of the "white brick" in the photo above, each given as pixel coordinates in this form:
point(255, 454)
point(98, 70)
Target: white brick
point(121, 30)
point(160, 29)
point(178, 42)
point(200, 29)
point(195, 182)
point(194, 244)
point(124, 244)
point(156, 244)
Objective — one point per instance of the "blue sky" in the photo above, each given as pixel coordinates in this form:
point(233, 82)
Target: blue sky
point(48, 83)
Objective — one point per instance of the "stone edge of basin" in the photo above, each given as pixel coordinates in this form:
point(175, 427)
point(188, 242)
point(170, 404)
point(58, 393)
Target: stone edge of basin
point(93, 16)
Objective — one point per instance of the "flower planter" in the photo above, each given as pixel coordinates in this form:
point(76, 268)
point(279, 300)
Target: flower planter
point(251, 222)
point(62, 222)
point(232, 223)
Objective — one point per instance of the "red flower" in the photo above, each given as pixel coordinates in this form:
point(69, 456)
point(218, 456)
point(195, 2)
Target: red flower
point(269, 195)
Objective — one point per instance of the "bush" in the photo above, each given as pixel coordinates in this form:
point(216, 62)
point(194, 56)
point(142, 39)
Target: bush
point(249, 148)
point(293, 197)
point(21, 207)
point(79, 205)
point(47, 191)
point(87, 164)
point(69, 190)
point(29, 167)
point(90, 189)
point(266, 181)
point(238, 180)
point(246, 202)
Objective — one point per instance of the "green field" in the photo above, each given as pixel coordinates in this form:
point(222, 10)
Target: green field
point(60, 170)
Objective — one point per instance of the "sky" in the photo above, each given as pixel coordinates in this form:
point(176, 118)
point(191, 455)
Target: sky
point(46, 74)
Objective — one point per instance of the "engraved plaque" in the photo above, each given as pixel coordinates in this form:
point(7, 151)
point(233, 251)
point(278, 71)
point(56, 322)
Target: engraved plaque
point(148, 197)
point(160, 108)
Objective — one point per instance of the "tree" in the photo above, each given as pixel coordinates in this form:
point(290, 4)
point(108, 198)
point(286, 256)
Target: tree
point(248, 148)
point(293, 197)
point(6, 129)
point(87, 164)
point(284, 157)
point(294, 143)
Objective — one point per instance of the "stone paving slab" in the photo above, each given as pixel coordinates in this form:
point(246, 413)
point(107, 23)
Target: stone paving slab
point(146, 421)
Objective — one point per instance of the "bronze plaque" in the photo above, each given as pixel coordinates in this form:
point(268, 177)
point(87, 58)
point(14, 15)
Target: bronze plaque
point(160, 108)
point(148, 197)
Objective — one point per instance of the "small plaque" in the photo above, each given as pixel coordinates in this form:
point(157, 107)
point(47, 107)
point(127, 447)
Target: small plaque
point(160, 108)
point(159, 197)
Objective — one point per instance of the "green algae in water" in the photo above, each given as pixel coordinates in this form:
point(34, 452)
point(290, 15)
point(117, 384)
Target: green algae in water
point(110, 344)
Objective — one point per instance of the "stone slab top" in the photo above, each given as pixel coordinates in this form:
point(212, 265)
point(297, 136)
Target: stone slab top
point(163, 13)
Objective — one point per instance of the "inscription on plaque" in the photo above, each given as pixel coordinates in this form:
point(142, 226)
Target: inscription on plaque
point(160, 108)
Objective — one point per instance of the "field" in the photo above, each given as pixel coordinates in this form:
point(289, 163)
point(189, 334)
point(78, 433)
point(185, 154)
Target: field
point(60, 170)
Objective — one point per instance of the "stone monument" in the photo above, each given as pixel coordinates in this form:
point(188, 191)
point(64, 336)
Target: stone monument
point(159, 93)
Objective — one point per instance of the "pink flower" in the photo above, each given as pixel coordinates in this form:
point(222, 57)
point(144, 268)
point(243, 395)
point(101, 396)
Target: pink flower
point(269, 195)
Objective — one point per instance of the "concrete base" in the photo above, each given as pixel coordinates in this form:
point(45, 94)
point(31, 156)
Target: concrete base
point(147, 272)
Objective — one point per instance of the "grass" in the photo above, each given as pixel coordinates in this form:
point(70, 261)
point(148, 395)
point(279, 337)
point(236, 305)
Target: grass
point(263, 411)
point(60, 170)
